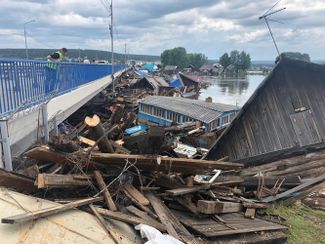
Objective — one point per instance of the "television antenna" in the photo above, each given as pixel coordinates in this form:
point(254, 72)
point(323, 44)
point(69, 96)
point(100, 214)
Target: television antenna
point(265, 17)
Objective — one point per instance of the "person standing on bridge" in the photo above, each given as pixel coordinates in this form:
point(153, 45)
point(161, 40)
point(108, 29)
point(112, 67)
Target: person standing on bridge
point(57, 56)
point(51, 70)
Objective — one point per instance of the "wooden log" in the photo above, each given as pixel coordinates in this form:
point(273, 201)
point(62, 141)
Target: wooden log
point(145, 162)
point(96, 130)
point(129, 219)
point(295, 189)
point(102, 186)
point(216, 207)
point(165, 164)
point(61, 181)
point(136, 194)
point(107, 226)
point(47, 211)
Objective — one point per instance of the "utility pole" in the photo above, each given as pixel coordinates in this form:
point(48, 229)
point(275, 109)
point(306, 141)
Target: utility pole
point(112, 45)
point(25, 35)
point(125, 53)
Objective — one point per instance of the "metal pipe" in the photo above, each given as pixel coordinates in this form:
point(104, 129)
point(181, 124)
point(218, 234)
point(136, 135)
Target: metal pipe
point(112, 46)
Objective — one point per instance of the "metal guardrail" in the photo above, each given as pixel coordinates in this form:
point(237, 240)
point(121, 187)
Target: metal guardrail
point(25, 83)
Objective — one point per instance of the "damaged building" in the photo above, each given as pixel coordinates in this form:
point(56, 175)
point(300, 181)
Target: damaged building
point(166, 110)
point(154, 84)
point(285, 115)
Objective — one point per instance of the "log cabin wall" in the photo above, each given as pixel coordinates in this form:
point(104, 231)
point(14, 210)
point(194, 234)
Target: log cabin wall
point(286, 113)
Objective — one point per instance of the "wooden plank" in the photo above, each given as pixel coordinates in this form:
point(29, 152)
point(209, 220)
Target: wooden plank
point(142, 207)
point(48, 211)
point(171, 222)
point(187, 190)
point(102, 186)
point(186, 202)
point(129, 218)
point(136, 194)
point(60, 181)
point(302, 194)
point(233, 224)
point(107, 226)
point(17, 182)
point(160, 210)
point(255, 205)
point(141, 214)
point(43, 153)
point(295, 189)
point(86, 141)
point(216, 207)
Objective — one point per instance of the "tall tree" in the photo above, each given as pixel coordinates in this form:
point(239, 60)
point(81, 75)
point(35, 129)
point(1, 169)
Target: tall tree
point(240, 60)
point(224, 60)
point(176, 56)
point(197, 59)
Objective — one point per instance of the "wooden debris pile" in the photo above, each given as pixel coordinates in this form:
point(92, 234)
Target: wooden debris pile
point(138, 178)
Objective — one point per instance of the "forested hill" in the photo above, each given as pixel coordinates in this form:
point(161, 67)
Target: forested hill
point(74, 54)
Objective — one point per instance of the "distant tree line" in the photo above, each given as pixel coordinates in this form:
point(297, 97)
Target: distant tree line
point(239, 60)
point(74, 54)
point(179, 57)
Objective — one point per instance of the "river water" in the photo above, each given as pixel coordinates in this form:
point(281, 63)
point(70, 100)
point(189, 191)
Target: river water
point(231, 91)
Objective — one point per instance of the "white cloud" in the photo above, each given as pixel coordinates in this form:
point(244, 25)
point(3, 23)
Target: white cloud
point(150, 26)
point(248, 36)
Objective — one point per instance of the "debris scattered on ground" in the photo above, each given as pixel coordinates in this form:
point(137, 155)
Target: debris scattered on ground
point(112, 166)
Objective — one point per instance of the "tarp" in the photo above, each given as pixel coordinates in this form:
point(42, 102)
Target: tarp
point(150, 67)
point(141, 72)
point(176, 83)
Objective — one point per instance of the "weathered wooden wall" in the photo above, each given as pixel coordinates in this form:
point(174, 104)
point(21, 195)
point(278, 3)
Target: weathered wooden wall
point(287, 112)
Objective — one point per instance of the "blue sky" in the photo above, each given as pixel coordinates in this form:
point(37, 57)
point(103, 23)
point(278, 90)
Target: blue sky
point(150, 26)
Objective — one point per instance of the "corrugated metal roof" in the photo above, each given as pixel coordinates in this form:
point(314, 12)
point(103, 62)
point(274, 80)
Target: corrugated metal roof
point(199, 110)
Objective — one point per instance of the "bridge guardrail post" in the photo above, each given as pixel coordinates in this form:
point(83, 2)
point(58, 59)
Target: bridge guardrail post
point(45, 123)
point(5, 146)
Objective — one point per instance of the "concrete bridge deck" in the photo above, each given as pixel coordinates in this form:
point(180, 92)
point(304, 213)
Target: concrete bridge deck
point(35, 98)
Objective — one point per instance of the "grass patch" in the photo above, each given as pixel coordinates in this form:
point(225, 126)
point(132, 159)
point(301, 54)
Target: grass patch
point(306, 225)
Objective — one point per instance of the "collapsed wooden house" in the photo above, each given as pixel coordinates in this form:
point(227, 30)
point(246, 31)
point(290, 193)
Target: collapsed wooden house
point(165, 110)
point(285, 115)
point(155, 84)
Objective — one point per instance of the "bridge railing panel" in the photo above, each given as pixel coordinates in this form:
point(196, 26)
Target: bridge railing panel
point(25, 83)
